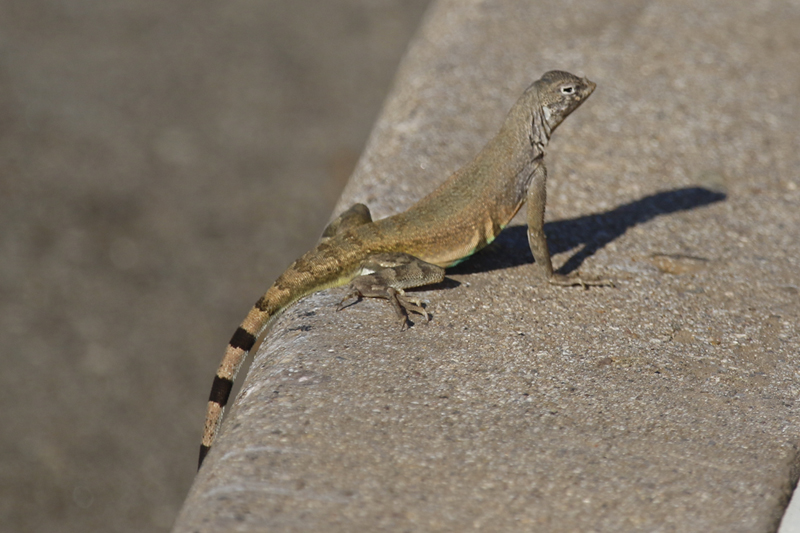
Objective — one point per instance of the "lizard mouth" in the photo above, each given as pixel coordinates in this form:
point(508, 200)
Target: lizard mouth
point(590, 84)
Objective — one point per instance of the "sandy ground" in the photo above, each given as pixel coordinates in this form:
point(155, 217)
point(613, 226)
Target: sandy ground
point(160, 163)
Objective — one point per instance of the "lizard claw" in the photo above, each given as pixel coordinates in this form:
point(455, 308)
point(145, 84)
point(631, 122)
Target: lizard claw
point(353, 294)
point(403, 306)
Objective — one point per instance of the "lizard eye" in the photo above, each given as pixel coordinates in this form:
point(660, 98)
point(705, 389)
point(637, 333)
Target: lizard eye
point(567, 89)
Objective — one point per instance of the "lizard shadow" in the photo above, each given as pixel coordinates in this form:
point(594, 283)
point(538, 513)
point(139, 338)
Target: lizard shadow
point(592, 231)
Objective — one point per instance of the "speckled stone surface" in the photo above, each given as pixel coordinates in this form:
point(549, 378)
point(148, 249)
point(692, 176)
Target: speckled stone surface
point(668, 403)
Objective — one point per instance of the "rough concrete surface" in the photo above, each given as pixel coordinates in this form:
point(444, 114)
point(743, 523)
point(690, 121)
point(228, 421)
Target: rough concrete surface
point(160, 164)
point(668, 403)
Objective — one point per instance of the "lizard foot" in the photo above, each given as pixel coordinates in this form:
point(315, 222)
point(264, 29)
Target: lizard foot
point(402, 304)
point(352, 294)
point(571, 281)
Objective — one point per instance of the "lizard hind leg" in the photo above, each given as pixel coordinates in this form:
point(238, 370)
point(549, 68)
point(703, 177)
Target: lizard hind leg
point(387, 276)
point(357, 215)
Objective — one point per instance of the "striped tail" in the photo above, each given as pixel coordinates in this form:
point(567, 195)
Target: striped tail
point(315, 271)
point(239, 346)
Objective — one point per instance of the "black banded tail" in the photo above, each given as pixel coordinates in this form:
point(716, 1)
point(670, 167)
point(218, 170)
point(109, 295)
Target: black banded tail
point(316, 270)
point(239, 346)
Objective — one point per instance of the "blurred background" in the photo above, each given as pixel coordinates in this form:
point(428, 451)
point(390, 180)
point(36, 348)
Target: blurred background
point(160, 164)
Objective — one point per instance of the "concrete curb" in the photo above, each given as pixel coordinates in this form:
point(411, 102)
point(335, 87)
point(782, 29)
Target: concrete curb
point(667, 404)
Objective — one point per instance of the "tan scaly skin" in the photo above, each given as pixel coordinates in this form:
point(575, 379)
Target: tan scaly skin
point(381, 259)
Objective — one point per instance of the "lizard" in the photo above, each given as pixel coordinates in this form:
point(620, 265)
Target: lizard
point(382, 258)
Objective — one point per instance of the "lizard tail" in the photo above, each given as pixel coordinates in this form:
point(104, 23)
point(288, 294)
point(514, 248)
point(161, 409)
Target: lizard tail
point(299, 280)
point(268, 307)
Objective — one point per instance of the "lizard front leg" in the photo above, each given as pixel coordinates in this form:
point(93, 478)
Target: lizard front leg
point(537, 198)
point(387, 275)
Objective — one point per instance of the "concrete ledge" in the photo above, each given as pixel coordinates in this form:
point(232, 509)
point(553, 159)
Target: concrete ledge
point(666, 404)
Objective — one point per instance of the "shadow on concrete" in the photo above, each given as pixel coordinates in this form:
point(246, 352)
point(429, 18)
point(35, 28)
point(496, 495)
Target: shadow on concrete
point(592, 231)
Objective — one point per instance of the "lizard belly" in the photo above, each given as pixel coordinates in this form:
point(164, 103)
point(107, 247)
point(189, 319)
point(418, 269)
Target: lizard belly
point(463, 243)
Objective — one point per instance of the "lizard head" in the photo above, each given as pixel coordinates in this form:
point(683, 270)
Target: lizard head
point(559, 94)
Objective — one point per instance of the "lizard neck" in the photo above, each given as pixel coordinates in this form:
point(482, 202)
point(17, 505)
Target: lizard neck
point(540, 131)
point(505, 166)
point(520, 143)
